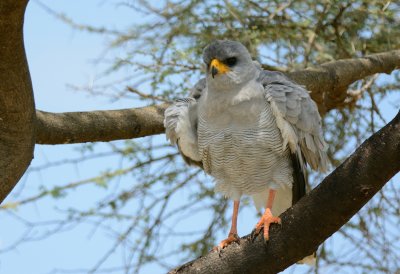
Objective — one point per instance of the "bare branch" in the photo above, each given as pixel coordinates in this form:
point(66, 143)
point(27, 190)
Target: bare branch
point(80, 127)
point(146, 96)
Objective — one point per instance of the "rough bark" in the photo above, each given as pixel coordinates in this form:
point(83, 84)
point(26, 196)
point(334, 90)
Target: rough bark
point(17, 115)
point(316, 216)
point(328, 84)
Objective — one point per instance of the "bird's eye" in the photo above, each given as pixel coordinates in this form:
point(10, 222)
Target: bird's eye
point(230, 61)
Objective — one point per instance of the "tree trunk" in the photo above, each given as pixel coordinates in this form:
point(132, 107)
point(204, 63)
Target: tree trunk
point(17, 109)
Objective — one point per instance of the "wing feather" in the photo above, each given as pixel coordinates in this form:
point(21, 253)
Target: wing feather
point(180, 122)
point(297, 118)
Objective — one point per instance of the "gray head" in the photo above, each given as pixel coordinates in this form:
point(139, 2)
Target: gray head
point(228, 63)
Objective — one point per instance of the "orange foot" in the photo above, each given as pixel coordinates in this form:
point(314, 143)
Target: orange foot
point(232, 238)
point(266, 220)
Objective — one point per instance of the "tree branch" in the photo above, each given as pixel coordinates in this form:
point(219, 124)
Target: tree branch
point(17, 115)
point(317, 215)
point(327, 82)
point(80, 127)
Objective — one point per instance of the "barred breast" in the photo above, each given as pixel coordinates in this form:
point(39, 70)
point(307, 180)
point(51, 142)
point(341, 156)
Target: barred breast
point(241, 148)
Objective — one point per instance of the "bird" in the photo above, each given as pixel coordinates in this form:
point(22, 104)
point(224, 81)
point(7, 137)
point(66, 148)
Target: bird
point(254, 131)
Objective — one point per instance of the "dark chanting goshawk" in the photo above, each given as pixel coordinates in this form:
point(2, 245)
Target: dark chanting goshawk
point(252, 130)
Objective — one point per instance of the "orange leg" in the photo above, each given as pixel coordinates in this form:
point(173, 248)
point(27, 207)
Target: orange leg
point(232, 236)
point(267, 218)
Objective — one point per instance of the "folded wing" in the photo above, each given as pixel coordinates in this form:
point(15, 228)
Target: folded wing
point(180, 122)
point(297, 118)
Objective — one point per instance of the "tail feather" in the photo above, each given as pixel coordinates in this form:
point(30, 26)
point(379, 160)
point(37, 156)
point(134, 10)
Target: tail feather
point(298, 191)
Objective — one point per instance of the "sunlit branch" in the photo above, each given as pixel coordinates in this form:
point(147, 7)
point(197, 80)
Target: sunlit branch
point(327, 82)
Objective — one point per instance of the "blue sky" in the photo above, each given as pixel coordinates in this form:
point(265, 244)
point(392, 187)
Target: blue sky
point(58, 56)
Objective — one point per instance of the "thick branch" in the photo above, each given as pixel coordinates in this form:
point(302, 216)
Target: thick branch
point(327, 82)
point(79, 127)
point(17, 116)
point(316, 216)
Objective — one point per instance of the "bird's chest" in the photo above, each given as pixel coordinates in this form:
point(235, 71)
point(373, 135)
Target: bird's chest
point(237, 136)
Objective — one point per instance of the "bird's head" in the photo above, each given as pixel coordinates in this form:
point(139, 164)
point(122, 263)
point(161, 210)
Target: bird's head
point(228, 63)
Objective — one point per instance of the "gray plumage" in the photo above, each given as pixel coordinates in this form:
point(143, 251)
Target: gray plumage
point(244, 126)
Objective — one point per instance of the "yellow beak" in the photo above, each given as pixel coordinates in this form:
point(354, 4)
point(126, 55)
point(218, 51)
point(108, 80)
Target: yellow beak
point(217, 66)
